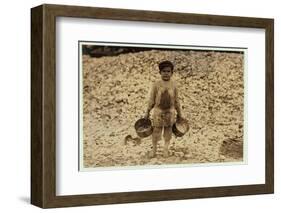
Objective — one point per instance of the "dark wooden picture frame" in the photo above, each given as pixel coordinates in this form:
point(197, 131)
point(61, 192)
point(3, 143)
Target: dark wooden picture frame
point(43, 105)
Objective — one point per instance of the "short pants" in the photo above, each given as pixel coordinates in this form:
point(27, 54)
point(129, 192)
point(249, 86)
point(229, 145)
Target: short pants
point(163, 120)
point(163, 117)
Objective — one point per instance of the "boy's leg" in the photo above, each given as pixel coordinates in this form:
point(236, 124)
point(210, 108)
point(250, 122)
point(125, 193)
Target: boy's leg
point(156, 136)
point(167, 139)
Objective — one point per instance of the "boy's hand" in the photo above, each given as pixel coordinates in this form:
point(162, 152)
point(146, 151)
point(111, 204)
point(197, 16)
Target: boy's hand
point(179, 117)
point(146, 115)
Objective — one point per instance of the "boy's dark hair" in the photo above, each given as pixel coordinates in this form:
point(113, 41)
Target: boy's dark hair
point(164, 64)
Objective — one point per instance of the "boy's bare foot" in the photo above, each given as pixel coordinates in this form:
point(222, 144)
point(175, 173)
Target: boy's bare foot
point(151, 154)
point(166, 153)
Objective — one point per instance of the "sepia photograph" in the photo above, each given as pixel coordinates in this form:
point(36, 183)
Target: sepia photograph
point(133, 105)
point(146, 106)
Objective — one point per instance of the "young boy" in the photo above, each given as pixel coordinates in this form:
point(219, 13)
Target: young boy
point(164, 101)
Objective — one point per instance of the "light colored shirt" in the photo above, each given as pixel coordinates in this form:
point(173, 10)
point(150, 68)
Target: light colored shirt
point(164, 101)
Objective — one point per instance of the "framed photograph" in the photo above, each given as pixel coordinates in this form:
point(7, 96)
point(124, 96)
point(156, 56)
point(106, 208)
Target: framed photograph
point(137, 106)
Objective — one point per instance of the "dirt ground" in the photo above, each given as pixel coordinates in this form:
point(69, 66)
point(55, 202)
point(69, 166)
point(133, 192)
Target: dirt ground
point(115, 95)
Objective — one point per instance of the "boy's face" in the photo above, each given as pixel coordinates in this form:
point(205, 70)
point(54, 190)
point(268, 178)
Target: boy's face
point(166, 73)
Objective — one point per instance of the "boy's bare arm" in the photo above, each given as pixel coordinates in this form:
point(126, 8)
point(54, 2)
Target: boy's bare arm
point(177, 104)
point(151, 101)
